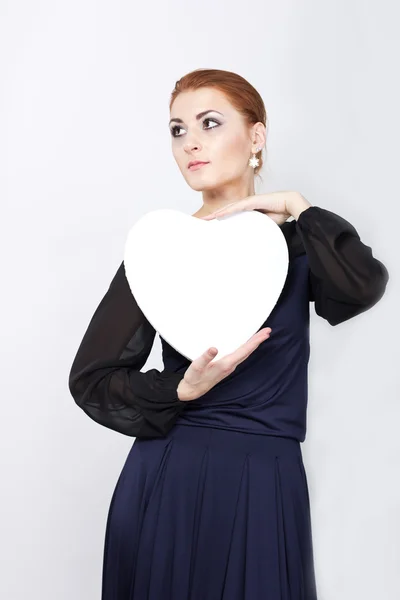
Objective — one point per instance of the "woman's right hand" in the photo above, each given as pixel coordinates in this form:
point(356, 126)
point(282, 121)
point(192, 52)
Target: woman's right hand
point(202, 375)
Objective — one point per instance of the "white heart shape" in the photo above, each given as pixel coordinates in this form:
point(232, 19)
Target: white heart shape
point(206, 283)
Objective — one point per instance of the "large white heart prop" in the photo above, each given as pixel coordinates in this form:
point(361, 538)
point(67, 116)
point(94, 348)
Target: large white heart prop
point(206, 283)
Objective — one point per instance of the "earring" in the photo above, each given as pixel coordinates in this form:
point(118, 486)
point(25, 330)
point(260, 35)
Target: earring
point(253, 161)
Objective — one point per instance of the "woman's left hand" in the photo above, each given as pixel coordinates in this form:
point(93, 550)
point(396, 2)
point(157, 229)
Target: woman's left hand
point(277, 205)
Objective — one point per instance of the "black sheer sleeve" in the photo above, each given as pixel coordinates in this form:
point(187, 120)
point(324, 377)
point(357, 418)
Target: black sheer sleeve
point(345, 279)
point(105, 378)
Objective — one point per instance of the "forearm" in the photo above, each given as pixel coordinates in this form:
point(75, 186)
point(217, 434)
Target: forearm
point(345, 276)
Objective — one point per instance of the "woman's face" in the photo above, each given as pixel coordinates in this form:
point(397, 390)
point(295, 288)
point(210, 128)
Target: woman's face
point(220, 137)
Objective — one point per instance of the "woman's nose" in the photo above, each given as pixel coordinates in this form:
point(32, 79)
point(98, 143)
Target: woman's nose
point(191, 145)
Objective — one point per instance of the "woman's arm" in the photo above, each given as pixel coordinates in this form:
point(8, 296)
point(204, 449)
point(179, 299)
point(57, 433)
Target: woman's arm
point(345, 278)
point(105, 378)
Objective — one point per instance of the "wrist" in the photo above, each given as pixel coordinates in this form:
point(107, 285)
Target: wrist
point(297, 205)
point(182, 393)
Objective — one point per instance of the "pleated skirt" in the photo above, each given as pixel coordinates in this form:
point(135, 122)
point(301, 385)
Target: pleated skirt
point(210, 514)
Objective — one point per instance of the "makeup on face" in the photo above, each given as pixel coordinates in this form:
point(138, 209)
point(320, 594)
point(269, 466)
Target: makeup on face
point(198, 117)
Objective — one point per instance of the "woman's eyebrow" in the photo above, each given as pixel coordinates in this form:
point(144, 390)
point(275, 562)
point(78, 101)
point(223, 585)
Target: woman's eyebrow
point(197, 116)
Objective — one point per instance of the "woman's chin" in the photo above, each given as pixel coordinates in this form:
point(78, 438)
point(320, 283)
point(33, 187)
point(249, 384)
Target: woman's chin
point(200, 185)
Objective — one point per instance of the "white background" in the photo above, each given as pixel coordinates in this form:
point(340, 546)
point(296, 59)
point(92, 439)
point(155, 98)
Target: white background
point(84, 152)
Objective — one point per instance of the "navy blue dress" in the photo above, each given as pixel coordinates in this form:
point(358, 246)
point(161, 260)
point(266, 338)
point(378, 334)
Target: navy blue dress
point(212, 502)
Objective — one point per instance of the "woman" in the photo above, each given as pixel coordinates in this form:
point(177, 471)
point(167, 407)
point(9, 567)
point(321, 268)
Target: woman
point(212, 502)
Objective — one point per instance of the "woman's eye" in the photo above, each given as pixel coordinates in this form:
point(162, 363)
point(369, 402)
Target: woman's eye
point(173, 129)
point(209, 119)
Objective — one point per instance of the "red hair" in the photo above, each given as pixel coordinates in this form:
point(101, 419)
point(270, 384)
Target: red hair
point(240, 93)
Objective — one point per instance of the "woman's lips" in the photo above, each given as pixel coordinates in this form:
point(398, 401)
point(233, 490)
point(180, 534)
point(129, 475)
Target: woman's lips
point(197, 166)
